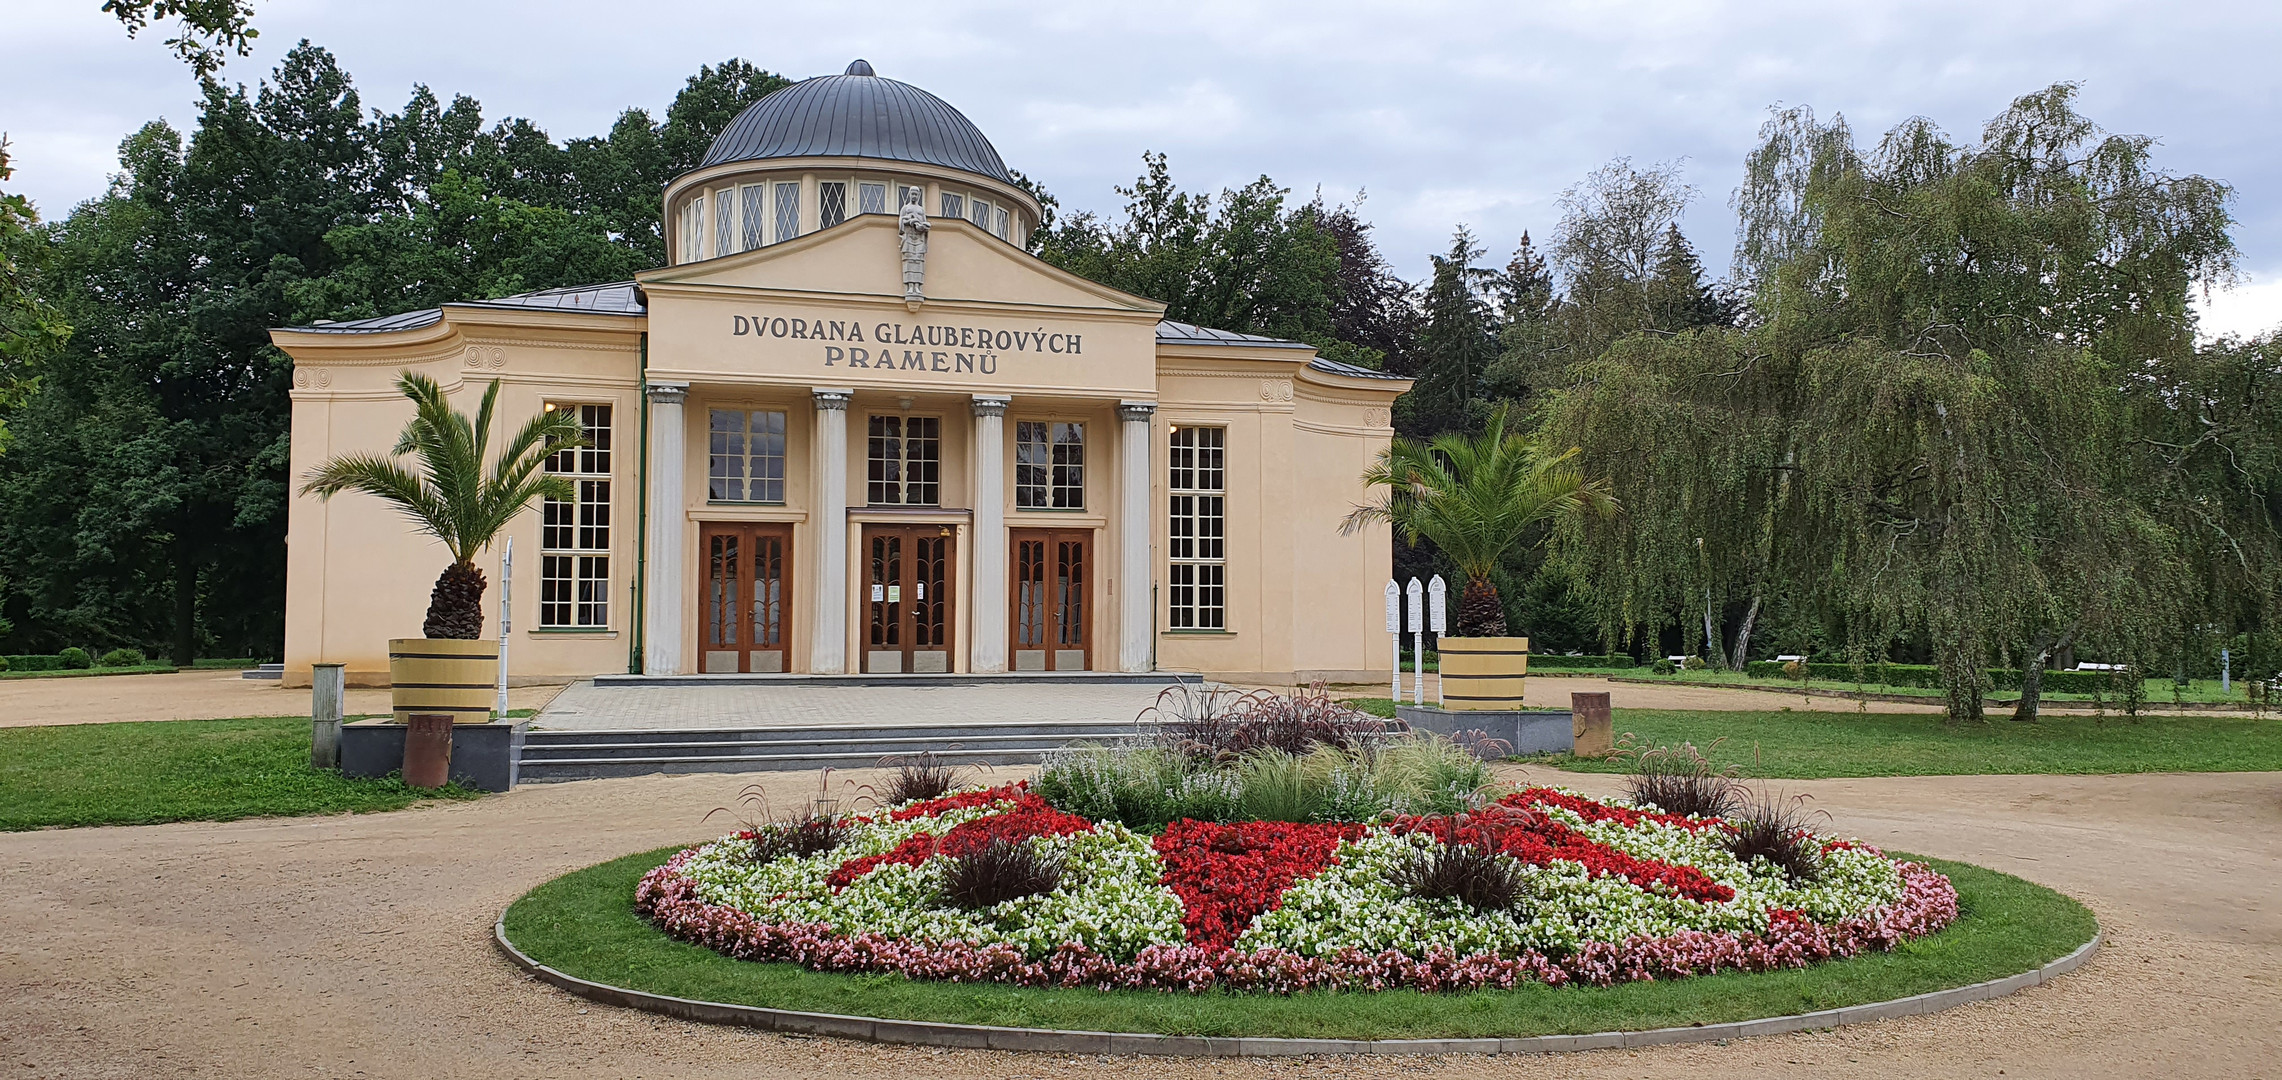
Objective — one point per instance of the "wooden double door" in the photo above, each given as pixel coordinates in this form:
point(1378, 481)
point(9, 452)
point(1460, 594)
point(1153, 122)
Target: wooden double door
point(909, 578)
point(1051, 625)
point(745, 607)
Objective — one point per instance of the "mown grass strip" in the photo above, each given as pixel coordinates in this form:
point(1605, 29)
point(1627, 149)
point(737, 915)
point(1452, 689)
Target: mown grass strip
point(1816, 745)
point(178, 770)
point(584, 924)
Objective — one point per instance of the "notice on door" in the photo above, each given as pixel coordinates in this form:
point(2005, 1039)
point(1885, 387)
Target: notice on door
point(879, 594)
point(895, 594)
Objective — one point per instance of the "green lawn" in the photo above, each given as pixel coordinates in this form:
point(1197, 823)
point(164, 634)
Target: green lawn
point(583, 924)
point(1810, 745)
point(177, 770)
point(2160, 692)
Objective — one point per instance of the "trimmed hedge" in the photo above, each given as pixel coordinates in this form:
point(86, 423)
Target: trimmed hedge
point(35, 662)
point(1539, 661)
point(1551, 662)
point(1926, 676)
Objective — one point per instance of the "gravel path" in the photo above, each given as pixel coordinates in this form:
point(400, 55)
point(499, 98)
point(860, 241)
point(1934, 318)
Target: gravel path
point(357, 946)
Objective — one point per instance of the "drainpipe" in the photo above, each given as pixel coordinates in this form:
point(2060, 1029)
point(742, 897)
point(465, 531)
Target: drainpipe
point(641, 518)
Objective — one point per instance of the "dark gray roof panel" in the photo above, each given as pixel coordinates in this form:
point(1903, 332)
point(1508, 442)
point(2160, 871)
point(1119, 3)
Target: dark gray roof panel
point(857, 115)
point(1334, 367)
point(410, 320)
point(1181, 333)
point(615, 298)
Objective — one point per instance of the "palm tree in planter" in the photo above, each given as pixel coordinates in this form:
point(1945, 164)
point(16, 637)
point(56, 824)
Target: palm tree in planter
point(1476, 497)
point(452, 497)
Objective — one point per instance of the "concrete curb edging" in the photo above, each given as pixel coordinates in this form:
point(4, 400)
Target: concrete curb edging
point(1049, 1040)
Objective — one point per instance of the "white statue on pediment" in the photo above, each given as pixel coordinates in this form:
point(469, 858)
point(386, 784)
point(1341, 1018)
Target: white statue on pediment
point(912, 222)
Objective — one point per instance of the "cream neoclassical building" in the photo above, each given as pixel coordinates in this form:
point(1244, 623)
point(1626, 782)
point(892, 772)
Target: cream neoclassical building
point(855, 427)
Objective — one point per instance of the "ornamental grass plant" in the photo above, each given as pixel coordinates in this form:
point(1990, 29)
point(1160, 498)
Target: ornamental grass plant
point(1146, 787)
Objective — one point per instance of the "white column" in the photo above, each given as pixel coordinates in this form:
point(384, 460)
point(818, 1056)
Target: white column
point(1136, 604)
point(662, 585)
point(828, 647)
point(987, 648)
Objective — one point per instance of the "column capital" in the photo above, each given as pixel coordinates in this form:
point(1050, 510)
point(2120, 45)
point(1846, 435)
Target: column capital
point(669, 393)
point(991, 405)
point(1136, 412)
point(833, 400)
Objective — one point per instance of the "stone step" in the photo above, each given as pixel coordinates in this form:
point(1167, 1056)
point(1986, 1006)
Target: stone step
point(530, 772)
point(944, 732)
point(534, 752)
point(1096, 678)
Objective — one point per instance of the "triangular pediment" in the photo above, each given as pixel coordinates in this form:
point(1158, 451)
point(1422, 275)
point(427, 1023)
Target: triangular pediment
point(864, 258)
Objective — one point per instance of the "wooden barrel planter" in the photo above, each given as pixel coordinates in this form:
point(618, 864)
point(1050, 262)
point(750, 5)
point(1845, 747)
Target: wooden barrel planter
point(1483, 672)
point(442, 675)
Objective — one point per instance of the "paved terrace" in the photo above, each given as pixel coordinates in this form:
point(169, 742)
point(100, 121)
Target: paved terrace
point(583, 706)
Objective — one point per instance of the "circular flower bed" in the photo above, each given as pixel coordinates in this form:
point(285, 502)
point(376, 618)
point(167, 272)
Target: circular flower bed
point(1541, 885)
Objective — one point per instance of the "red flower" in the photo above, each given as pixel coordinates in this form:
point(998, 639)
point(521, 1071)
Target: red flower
point(965, 800)
point(1029, 817)
point(1226, 875)
point(1510, 827)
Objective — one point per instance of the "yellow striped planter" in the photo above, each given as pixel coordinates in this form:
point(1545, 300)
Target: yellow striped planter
point(1483, 672)
point(442, 675)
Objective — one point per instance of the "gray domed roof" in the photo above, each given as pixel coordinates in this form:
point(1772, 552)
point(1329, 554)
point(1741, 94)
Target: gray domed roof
point(857, 114)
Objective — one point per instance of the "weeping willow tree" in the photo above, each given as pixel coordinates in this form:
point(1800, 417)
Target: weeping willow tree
point(1929, 427)
point(1694, 435)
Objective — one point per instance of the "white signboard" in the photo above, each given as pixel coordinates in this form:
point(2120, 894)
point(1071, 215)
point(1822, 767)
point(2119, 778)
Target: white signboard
point(1437, 606)
point(1415, 592)
point(1394, 607)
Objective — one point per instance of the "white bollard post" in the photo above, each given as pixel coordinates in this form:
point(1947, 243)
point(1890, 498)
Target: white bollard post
point(1394, 639)
point(1437, 620)
point(1415, 594)
point(506, 613)
point(328, 690)
point(2226, 673)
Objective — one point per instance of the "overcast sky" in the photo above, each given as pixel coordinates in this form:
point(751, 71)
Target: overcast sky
point(1442, 113)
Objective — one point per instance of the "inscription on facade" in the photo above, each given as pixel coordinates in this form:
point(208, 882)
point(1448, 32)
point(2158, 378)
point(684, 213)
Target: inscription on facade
point(907, 346)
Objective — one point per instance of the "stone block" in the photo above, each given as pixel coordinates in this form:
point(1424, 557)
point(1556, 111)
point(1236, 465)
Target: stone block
point(1537, 731)
point(484, 756)
point(1595, 733)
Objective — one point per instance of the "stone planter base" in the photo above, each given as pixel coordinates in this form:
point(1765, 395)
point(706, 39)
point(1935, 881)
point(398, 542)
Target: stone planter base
point(1535, 731)
point(484, 756)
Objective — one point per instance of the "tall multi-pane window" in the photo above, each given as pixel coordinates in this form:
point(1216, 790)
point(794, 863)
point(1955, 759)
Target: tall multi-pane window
point(906, 460)
point(1198, 544)
point(954, 206)
point(755, 198)
point(979, 213)
point(1049, 465)
point(693, 231)
point(724, 221)
point(871, 198)
point(574, 535)
point(998, 222)
point(831, 204)
point(788, 212)
point(747, 456)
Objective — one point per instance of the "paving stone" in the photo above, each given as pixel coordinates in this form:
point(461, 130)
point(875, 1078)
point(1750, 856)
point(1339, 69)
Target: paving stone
point(583, 706)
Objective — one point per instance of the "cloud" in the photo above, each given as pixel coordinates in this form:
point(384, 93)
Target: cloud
point(1445, 112)
point(2246, 310)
